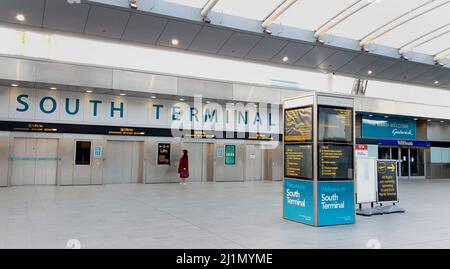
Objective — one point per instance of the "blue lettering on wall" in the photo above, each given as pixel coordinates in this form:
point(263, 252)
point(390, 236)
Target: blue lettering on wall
point(243, 116)
point(209, 116)
point(42, 105)
point(94, 109)
point(77, 106)
point(22, 102)
point(176, 113)
point(270, 120)
point(194, 113)
point(257, 119)
point(113, 109)
point(158, 108)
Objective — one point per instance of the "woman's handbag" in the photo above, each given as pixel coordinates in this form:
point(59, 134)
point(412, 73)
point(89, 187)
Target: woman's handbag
point(184, 173)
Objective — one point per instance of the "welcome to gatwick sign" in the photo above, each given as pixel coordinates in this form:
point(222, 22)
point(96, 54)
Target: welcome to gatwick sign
point(387, 128)
point(94, 109)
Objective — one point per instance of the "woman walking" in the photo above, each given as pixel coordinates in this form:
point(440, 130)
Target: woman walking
point(183, 168)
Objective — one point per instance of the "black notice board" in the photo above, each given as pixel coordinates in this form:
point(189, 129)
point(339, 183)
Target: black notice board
point(298, 124)
point(335, 162)
point(163, 154)
point(335, 124)
point(387, 181)
point(298, 161)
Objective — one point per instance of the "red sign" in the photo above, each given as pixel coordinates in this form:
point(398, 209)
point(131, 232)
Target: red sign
point(361, 147)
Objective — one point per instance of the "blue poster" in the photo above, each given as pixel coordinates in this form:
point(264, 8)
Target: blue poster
point(336, 203)
point(299, 201)
point(386, 128)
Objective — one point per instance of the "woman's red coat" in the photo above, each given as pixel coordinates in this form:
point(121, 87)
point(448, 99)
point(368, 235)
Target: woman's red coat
point(184, 163)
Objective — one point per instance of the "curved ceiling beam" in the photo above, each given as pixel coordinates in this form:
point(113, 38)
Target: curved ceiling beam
point(342, 16)
point(423, 39)
point(207, 7)
point(386, 28)
point(285, 5)
point(441, 56)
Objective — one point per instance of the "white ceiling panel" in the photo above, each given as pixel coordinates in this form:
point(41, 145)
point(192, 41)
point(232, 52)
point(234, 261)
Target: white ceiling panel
point(311, 14)
point(436, 45)
point(190, 3)
point(252, 9)
point(373, 16)
point(416, 27)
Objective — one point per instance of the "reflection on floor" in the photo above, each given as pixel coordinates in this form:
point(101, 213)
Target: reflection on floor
point(207, 215)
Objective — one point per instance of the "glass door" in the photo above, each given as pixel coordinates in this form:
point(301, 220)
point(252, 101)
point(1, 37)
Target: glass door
point(404, 162)
point(417, 163)
point(412, 163)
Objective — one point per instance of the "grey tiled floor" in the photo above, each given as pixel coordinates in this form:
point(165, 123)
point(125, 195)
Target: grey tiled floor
point(207, 215)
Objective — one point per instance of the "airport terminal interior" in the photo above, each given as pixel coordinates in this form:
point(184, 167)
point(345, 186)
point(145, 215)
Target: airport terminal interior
point(307, 124)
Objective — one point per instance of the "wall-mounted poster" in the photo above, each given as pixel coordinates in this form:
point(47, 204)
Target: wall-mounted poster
point(335, 124)
point(298, 161)
point(335, 162)
point(230, 154)
point(163, 154)
point(298, 125)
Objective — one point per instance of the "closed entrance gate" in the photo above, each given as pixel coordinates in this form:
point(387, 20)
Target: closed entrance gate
point(34, 161)
point(123, 162)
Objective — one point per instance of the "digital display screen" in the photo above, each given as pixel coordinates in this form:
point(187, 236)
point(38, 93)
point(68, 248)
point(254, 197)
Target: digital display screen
point(298, 161)
point(335, 124)
point(335, 162)
point(298, 125)
point(164, 154)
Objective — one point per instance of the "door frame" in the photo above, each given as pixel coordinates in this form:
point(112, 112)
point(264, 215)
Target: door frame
point(409, 163)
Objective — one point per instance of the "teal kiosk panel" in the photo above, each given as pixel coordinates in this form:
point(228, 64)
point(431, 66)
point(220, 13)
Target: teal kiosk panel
point(299, 200)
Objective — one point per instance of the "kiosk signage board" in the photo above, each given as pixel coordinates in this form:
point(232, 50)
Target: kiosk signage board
point(387, 181)
point(318, 156)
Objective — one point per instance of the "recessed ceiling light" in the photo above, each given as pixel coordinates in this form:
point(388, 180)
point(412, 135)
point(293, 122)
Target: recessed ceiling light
point(370, 115)
point(181, 99)
point(436, 82)
point(175, 42)
point(53, 88)
point(416, 119)
point(153, 97)
point(370, 72)
point(429, 120)
point(88, 91)
point(20, 17)
point(122, 94)
point(14, 85)
point(285, 59)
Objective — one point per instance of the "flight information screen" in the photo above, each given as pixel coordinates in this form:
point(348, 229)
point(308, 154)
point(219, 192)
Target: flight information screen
point(335, 162)
point(298, 161)
point(335, 124)
point(298, 124)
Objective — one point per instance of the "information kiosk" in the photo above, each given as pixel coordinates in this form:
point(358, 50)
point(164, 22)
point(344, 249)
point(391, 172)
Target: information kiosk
point(319, 138)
